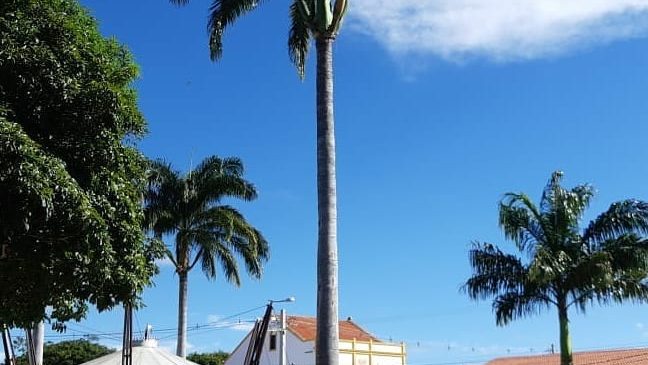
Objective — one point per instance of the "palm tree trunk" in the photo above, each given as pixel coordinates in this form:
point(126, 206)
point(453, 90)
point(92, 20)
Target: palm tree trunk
point(565, 339)
point(326, 347)
point(182, 315)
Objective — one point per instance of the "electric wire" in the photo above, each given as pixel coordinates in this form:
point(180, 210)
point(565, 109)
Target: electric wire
point(221, 324)
point(137, 322)
point(196, 327)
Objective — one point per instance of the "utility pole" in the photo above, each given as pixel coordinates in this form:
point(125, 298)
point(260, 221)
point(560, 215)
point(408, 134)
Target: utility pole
point(127, 342)
point(259, 332)
point(282, 339)
point(31, 354)
point(10, 357)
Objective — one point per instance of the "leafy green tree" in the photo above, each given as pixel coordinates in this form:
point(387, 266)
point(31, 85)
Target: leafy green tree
point(71, 180)
point(318, 20)
point(561, 265)
point(207, 232)
point(209, 358)
point(69, 353)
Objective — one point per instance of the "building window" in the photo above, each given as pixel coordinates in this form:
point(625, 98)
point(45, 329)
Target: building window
point(273, 341)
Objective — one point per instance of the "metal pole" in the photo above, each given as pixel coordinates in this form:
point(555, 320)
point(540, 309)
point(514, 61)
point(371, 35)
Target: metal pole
point(282, 339)
point(12, 353)
point(30, 347)
point(6, 343)
point(127, 348)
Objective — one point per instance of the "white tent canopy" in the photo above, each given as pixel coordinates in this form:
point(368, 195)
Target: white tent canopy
point(144, 353)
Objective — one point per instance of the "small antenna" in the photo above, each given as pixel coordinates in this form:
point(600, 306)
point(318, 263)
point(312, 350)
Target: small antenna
point(148, 332)
point(191, 162)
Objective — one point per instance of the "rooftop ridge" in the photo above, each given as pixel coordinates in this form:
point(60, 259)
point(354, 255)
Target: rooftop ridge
point(622, 356)
point(305, 328)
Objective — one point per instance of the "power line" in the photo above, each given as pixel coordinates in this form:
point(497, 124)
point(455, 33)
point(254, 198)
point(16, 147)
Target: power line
point(139, 328)
point(115, 335)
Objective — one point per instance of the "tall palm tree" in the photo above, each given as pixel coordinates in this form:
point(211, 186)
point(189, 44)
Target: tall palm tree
point(319, 20)
point(561, 265)
point(207, 232)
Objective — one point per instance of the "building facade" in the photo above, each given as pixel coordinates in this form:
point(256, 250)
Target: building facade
point(357, 346)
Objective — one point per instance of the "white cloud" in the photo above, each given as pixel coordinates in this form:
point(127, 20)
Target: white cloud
point(214, 318)
point(170, 346)
point(641, 328)
point(243, 326)
point(500, 30)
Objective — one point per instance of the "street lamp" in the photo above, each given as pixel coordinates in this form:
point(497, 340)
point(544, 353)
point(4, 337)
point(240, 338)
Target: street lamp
point(261, 331)
point(287, 300)
point(282, 328)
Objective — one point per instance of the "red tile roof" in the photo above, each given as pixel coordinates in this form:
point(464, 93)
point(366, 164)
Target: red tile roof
point(608, 357)
point(305, 328)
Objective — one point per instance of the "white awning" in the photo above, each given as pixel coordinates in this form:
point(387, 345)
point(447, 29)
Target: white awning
point(146, 353)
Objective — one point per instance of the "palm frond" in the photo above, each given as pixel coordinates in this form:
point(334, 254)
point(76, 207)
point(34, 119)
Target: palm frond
point(566, 211)
point(547, 201)
point(629, 288)
point(627, 252)
point(253, 250)
point(586, 280)
point(262, 248)
point(235, 234)
point(549, 265)
point(323, 16)
point(215, 179)
point(169, 254)
point(299, 35)
point(522, 201)
point(579, 199)
point(228, 263)
point(520, 225)
point(211, 165)
point(622, 217)
point(161, 197)
point(339, 11)
point(208, 260)
point(513, 305)
point(223, 13)
point(494, 272)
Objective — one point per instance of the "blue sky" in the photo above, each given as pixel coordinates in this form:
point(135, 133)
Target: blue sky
point(441, 107)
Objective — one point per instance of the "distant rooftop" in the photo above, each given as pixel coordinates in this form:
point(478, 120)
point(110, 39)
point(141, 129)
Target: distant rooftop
point(607, 357)
point(306, 327)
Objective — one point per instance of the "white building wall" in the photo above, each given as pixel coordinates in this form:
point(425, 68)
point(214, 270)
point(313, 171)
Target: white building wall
point(346, 359)
point(386, 360)
point(300, 352)
point(297, 351)
point(237, 357)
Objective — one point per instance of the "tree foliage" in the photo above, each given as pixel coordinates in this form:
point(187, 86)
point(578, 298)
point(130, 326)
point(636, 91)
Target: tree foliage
point(71, 180)
point(69, 353)
point(208, 358)
point(560, 264)
point(207, 231)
